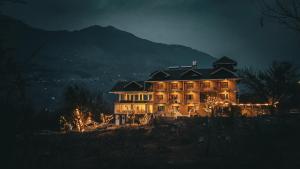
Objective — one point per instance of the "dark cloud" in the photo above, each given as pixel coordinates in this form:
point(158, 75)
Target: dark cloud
point(218, 27)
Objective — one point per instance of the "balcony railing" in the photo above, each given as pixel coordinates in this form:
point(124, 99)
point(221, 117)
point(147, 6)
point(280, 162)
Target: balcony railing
point(131, 111)
point(133, 101)
point(160, 89)
point(207, 89)
point(176, 89)
point(192, 89)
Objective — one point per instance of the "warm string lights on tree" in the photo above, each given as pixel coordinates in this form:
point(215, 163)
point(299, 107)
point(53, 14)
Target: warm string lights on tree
point(81, 122)
point(145, 119)
point(78, 120)
point(211, 103)
point(106, 119)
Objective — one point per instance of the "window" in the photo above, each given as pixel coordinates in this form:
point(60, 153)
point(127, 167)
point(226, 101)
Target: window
point(131, 97)
point(159, 86)
point(203, 97)
point(150, 97)
point(141, 97)
point(173, 97)
point(206, 84)
point(175, 108)
point(189, 97)
point(224, 84)
point(145, 97)
point(136, 97)
point(161, 108)
point(122, 96)
point(189, 85)
point(174, 85)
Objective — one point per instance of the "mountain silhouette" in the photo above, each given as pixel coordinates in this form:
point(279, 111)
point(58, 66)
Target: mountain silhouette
point(96, 56)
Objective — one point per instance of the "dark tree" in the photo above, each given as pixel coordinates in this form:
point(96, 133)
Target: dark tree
point(80, 97)
point(277, 84)
point(286, 12)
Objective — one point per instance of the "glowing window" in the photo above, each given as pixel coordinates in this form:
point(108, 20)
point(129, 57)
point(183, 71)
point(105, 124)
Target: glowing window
point(190, 85)
point(224, 84)
point(174, 86)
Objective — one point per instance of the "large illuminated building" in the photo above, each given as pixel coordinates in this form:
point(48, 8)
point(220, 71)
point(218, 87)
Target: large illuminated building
point(177, 91)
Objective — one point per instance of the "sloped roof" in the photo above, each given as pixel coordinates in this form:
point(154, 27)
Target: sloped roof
point(130, 86)
point(193, 74)
point(224, 60)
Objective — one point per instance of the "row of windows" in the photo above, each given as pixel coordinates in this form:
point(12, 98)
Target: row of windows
point(190, 97)
point(175, 97)
point(136, 97)
point(160, 97)
point(176, 108)
point(191, 85)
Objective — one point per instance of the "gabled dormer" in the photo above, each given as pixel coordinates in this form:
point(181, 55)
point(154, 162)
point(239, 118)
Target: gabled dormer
point(223, 73)
point(191, 74)
point(159, 75)
point(132, 86)
point(225, 62)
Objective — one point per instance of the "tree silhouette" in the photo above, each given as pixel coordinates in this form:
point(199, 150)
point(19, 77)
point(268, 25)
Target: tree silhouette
point(277, 84)
point(286, 12)
point(80, 97)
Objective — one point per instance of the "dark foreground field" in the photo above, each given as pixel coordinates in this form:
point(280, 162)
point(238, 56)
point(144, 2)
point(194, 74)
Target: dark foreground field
point(266, 143)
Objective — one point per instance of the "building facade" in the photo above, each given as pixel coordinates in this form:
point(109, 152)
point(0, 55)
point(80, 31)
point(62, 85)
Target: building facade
point(177, 91)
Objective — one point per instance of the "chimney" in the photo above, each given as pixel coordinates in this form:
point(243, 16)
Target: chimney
point(194, 64)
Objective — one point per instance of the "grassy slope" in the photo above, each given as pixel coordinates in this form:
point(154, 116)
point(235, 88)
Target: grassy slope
point(243, 143)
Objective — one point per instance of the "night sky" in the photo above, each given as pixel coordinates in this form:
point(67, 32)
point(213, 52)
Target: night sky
point(217, 27)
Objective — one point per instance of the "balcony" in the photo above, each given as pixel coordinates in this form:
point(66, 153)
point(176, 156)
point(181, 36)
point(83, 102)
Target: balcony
point(176, 89)
point(221, 89)
point(133, 101)
point(192, 89)
point(156, 89)
point(191, 86)
point(131, 112)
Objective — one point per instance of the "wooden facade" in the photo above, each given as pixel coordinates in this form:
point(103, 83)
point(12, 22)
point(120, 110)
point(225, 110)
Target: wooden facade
point(177, 91)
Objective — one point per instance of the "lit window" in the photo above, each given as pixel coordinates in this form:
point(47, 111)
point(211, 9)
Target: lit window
point(174, 86)
point(189, 97)
point(159, 85)
point(190, 85)
point(206, 84)
point(122, 96)
point(159, 97)
point(141, 97)
point(145, 97)
point(173, 97)
point(150, 97)
point(224, 84)
point(161, 108)
point(136, 97)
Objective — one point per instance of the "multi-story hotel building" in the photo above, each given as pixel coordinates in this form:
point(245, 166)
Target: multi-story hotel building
point(177, 91)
